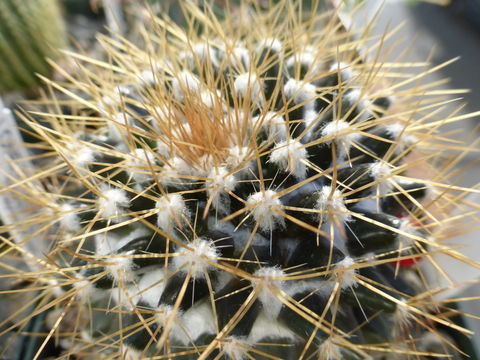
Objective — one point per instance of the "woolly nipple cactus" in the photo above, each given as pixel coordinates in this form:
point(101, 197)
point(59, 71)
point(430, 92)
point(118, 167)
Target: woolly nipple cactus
point(244, 189)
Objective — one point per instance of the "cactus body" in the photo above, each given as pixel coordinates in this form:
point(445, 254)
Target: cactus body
point(242, 193)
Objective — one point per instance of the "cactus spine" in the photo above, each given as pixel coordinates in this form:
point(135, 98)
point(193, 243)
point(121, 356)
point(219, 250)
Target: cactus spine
point(242, 192)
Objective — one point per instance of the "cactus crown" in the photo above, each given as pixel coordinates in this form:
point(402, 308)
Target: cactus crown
point(243, 190)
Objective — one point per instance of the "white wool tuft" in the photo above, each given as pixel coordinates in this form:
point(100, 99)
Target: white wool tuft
point(194, 257)
point(121, 268)
point(105, 102)
point(249, 85)
point(151, 286)
point(172, 211)
point(185, 83)
point(311, 116)
point(85, 290)
point(402, 316)
point(186, 57)
point(288, 156)
point(204, 53)
point(274, 125)
point(406, 227)
point(344, 68)
point(173, 171)
point(147, 77)
point(82, 155)
point(352, 96)
point(332, 203)
point(139, 163)
point(236, 160)
point(329, 351)
point(263, 210)
point(234, 348)
point(301, 92)
point(305, 58)
point(240, 56)
point(69, 219)
point(270, 43)
point(117, 124)
point(129, 353)
point(266, 278)
point(381, 171)
point(113, 203)
point(163, 149)
point(342, 134)
point(208, 98)
point(345, 275)
point(220, 181)
point(398, 131)
point(164, 313)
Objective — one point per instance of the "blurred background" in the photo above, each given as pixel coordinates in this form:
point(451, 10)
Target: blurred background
point(440, 33)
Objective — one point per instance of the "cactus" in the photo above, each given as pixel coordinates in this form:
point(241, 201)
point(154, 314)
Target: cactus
point(30, 32)
point(243, 189)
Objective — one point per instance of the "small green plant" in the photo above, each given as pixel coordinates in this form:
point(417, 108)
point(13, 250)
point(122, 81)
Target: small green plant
point(243, 189)
point(30, 32)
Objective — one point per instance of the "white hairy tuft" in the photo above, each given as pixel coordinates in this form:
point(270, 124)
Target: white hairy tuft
point(265, 278)
point(113, 202)
point(332, 203)
point(240, 56)
point(236, 160)
point(301, 92)
point(404, 139)
point(81, 155)
point(165, 313)
point(205, 52)
point(69, 219)
point(172, 211)
point(344, 68)
point(305, 58)
point(381, 171)
point(329, 351)
point(265, 202)
point(117, 125)
point(248, 85)
point(147, 77)
point(270, 43)
point(109, 242)
point(139, 164)
point(342, 134)
point(402, 319)
point(234, 348)
point(290, 156)
point(194, 257)
point(220, 181)
point(273, 124)
point(345, 275)
point(121, 268)
point(185, 83)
